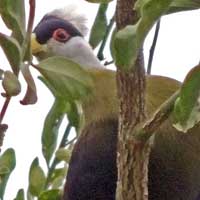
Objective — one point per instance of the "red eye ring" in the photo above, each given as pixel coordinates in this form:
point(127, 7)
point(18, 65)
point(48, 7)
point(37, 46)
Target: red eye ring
point(61, 35)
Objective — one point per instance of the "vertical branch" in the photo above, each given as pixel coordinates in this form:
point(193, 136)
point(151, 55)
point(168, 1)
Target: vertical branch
point(153, 46)
point(105, 38)
point(133, 154)
point(31, 16)
point(56, 161)
point(4, 108)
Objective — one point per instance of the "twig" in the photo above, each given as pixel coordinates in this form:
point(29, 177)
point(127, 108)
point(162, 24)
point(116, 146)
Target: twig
point(56, 161)
point(153, 46)
point(4, 108)
point(65, 136)
point(163, 112)
point(71, 141)
point(3, 129)
point(105, 38)
point(29, 28)
point(31, 16)
point(108, 62)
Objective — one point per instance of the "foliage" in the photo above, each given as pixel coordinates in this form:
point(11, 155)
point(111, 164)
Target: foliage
point(187, 106)
point(69, 83)
point(7, 164)
point(99, 27)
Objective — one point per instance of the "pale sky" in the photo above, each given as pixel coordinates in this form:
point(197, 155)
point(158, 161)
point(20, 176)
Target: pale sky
point(177, 51)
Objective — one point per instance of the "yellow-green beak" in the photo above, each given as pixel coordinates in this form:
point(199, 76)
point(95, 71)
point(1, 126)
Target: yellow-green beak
point(36, 47)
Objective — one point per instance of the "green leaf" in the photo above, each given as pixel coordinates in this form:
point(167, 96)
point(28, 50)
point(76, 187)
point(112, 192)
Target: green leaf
point(99, 27)
point(13, 14)
point(73, 111)
point(3, 129)
point(187, 107)
point(3, 170)
point(7, 162)
point(20, 195)
point(68, 78)
point(31, 91)
point(37, 178)
point(54, 194)
point(129, 40)
point(63, 154)
point(12, 50)
point(11, 84)
point(112, 46)
point(99, 1)
point(183, 5)
point(51, 127)
point(57, 176)
point(75, 114)
point(58, 182)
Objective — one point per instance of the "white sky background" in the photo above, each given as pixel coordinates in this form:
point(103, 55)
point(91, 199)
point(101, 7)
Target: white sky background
point(177, 51)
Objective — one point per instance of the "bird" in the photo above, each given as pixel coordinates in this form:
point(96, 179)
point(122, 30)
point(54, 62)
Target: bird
point(174, 163)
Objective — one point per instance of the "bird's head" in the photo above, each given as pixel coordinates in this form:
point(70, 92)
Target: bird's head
point(61, 33)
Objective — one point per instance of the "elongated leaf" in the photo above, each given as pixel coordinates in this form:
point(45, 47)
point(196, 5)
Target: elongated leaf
point(12, 50)
point(11, 84)
point(3, 129)
point(37, 178)
point(31, 92)
point(68, 78)
point(20, 195)
point(58, 178)
point(7, 162)
point(54, 194)
point(13, 14)
point(129, 40)
point(187, 107)
point(59, 173)
point(51, 127)
point(74, 114)
point(99, 27)
point(3, 170)
point(99, 1)
point(63, 154)
point(183, 5)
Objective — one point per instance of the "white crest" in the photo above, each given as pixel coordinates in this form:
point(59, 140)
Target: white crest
point(71, 14)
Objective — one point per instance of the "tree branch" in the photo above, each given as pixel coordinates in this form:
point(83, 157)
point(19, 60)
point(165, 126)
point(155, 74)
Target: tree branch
point(153, 46)
point(163, 112)
point(4, 108)
point(133, 154)
point(63, 143)
point(105, 38)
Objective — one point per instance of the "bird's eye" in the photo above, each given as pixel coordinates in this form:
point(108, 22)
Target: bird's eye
point(61, 35)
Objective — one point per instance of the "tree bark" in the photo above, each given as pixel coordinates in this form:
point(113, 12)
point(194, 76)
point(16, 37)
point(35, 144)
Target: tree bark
point(133, 155)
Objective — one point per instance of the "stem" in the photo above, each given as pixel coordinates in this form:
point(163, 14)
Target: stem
point(149, 127)
point(4, 108)
point(153, 46)
point(63, 143)
point(108, 62)
point(105, 38)
point(31, 16)
point(29, 30)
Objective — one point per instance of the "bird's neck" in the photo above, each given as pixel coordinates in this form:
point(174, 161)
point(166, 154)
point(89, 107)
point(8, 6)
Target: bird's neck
point(81, 52)
point(102, 103)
